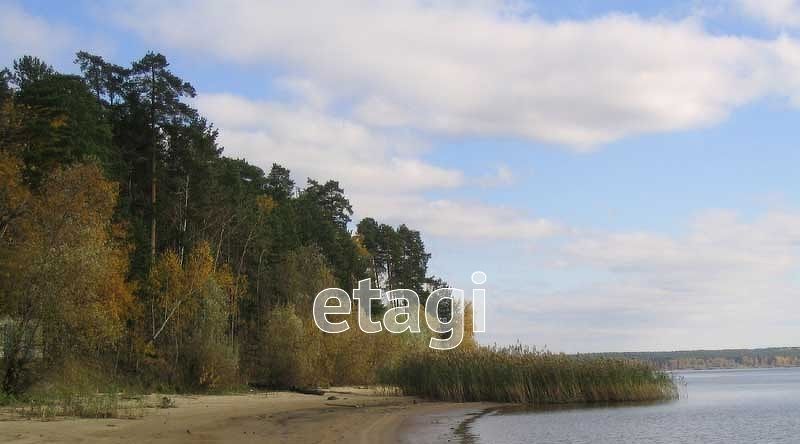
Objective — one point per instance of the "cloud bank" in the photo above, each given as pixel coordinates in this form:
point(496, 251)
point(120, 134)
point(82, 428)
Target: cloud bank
point(726, 281)
point(776, 13)
point(484, 68)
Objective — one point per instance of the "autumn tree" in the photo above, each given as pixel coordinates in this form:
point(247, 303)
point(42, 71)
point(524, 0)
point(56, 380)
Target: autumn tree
point(189, 314)
point(65, 267)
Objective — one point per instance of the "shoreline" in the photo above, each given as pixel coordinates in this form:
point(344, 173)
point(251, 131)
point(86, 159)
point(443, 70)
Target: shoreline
point(353, 416)
point(443, 422)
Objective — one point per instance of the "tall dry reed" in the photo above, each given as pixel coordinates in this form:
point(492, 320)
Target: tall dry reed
point(522, 375)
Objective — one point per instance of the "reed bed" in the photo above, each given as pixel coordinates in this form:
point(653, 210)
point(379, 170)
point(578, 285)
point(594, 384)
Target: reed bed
point(526, 376)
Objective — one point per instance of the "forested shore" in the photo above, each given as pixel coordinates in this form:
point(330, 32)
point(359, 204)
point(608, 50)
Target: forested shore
point(715, 359)
point(134, 252)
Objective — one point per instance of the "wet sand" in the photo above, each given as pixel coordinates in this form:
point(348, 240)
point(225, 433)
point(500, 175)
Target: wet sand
point(356, 416)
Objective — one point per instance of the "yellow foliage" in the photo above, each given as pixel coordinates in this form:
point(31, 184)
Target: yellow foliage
point(59, 121)
point(265, 204)
point(13, 193)
point(66, 261)
point(182, 291)
point(297, 353)
point(192, 304)
point(362, 251)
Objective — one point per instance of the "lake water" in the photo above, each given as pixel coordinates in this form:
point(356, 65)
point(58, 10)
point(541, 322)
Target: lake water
point(726, 406)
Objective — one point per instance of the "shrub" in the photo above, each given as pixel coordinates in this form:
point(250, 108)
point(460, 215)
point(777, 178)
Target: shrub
point(288, 350)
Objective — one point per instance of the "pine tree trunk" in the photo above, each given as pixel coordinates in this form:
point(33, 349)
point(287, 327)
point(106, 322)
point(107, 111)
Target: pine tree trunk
point(153, 160)
point(185, 218)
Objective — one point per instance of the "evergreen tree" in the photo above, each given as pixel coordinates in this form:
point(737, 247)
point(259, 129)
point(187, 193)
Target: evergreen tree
point(60, 123)
point(279, 183)
point(160, 92)
point(29, 69)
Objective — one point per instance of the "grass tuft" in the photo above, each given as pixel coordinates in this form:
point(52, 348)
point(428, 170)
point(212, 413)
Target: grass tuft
point(94, 405)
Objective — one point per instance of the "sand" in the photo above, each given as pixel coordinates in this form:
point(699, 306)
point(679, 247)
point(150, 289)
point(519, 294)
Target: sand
point(356, 416)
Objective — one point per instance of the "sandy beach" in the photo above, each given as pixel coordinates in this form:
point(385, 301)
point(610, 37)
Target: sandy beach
point(354, 416)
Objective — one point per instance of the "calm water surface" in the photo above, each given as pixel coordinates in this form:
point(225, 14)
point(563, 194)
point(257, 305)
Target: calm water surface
point(725, 406)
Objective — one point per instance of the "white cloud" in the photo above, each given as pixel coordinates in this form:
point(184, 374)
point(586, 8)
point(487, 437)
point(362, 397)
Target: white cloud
point(22, 33)
point(718, 244)
point(317, 145)
point(306, 91)
point(479, 68)
point(777, 13)
point(382, 175)
point(727, 282)
point(501, 177)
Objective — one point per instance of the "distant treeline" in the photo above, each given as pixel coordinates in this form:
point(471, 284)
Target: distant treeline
point(711, 359)
point(133, 251)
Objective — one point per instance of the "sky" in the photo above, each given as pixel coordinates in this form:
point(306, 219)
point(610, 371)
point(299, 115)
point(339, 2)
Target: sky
point(624, 172)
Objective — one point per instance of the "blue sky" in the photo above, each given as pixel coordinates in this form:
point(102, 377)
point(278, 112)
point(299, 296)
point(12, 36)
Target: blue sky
point(624, 172)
